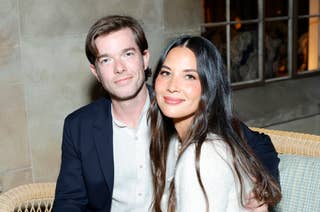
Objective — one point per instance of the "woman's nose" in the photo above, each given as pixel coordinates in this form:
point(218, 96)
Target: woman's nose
point(173, 84)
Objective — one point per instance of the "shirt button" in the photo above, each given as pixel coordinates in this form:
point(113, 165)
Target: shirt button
point(141, 166)
point(139, 194)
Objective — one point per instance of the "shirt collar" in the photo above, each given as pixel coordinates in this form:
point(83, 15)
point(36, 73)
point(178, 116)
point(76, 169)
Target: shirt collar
point(143, 113)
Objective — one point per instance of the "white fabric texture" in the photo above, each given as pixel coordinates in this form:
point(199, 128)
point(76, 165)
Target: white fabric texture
point(133, 189)
point(216, 174)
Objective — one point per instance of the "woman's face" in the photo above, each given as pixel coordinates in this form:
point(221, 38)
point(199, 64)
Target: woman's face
point(177, 86)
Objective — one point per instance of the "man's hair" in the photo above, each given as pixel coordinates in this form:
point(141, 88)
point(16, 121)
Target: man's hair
point(109, 24)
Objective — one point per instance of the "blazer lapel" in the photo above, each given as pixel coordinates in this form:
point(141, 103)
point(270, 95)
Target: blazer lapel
point(102, 131)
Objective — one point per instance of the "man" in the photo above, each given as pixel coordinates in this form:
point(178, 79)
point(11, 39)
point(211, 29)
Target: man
point(105, 162)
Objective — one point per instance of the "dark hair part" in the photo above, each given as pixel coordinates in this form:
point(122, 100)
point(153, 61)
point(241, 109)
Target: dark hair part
point(113, 23)
point(214, 115)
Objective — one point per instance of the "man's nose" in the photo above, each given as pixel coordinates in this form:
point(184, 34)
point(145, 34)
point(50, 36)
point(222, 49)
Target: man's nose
point(119, 66)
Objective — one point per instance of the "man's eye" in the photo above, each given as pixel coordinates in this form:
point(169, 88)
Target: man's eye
point(104, 60)
point(130, 53)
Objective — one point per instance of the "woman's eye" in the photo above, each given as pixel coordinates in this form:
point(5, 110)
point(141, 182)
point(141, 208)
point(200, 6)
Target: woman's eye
point(164, 73)
point(190, 76)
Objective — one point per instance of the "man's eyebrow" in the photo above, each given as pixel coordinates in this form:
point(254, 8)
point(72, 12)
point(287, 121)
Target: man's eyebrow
point(123, 50)
point(102, 55)
point(129, 49)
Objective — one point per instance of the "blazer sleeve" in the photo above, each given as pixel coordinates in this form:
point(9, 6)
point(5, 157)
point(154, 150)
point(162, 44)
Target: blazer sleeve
point(263, 148)
point(70, 193)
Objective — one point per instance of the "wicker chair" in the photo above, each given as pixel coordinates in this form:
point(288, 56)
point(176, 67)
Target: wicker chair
point(34, 197)
point(293, 143)
point(38, 197)
point(299, 170)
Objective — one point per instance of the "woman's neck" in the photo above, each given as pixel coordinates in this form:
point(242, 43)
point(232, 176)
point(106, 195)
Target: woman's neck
point(183, 127)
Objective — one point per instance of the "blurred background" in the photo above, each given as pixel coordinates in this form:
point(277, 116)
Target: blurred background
point(270, 48)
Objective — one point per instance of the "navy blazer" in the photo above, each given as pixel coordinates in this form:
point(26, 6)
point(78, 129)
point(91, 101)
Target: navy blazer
point(85, 182)
point(264, 150)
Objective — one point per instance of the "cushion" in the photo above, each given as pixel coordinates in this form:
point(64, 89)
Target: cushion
point(300, 183)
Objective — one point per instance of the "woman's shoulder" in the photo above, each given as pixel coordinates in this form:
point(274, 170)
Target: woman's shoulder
point(214, 140)
point(215, 162)
point(214, 148)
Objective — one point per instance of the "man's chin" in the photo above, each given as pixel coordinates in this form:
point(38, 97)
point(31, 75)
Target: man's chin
point(126, 95)
point(123, 97)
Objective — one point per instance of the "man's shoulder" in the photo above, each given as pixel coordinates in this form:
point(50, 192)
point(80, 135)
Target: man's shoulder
point(91, 110)
point(254, 138)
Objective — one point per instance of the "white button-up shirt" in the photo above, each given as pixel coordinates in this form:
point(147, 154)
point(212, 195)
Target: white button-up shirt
point(132, 189)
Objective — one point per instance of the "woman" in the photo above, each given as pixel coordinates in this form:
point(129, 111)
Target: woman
point(199, 159)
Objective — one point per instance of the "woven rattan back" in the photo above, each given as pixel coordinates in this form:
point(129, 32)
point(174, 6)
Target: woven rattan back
point(293, 143)
point(35, 197)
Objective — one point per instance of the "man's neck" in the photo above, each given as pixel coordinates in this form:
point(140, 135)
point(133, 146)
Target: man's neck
point(129, 111)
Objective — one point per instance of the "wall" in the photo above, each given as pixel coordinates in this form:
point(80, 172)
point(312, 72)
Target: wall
point(44, 73)
point(292, 105)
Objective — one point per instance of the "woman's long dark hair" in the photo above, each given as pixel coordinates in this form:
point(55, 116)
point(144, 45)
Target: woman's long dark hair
point(214, 115)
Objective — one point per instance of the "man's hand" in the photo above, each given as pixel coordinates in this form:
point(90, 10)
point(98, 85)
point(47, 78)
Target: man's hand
point(254, 205)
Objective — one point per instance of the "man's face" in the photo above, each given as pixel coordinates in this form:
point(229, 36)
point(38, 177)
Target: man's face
point(120, 65)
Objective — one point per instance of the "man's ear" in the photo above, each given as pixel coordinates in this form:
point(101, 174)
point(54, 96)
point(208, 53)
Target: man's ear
point(94, 71)
point(146, 56)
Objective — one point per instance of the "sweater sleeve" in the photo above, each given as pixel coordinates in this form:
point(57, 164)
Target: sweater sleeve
point(217, 178)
